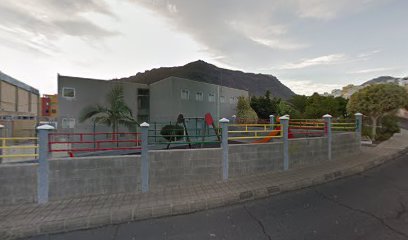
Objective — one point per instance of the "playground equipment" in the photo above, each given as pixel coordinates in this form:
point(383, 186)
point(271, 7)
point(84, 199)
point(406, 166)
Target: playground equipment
point(210, 122)
point(189, 131)
point(261, 132)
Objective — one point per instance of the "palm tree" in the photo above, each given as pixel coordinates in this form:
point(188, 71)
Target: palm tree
point(115, 114)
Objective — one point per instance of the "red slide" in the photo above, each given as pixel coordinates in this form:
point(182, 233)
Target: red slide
point(271, 134)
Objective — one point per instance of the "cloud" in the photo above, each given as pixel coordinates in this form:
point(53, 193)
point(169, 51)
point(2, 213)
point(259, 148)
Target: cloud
point(279, 44)
point(244, 32)
point(373, 70)
point(322, 60)
point(327, 10)
point(368, 54)
point(38, 24)
point(308, 87)
point(248, 33)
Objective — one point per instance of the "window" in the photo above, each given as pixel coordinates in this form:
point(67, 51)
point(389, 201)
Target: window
point(54, 111)
point(185, 94)
point(143, 102)
point(222, 99)
point(68, 123)
point(231, 100)
point(199, 96)
point(143, 92)
point(211, 97)
point(68, 92)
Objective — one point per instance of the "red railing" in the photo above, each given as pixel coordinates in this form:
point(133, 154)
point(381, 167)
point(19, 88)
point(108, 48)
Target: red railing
point(308, 127)
point(92, 142)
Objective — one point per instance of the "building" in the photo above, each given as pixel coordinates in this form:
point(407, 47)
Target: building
point(161, 101)
point(174, 95)
point(349, 90)
point(19, 107)
point(336, 93)
point(49, 107)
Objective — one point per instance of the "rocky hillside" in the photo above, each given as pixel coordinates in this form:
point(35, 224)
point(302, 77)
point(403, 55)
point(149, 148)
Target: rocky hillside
point(256, 84)
point(384, 79)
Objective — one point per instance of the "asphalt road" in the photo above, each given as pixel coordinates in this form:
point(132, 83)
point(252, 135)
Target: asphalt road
point(371, 205)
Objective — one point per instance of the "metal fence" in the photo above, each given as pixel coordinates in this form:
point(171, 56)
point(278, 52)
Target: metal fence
point(258, 132)
point(18, 147)
point(93, 142)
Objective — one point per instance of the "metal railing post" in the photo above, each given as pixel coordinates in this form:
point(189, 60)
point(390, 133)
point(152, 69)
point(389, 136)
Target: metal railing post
point(1, 142)
point(359, 125)
point(43, 165)
point(234, 119)
point(284, 120)
point(328, 131)
point(224, 145)
point(144, 127)
point(272, 121)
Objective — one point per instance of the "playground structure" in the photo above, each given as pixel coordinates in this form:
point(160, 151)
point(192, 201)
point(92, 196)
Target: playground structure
point(195, 132)
point(186, 132)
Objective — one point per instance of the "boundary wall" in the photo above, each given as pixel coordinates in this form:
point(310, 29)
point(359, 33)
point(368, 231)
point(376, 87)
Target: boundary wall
point(67, 178)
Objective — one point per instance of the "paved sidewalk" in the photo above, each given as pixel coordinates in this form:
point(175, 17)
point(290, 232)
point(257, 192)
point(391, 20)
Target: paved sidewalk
point(20, 221)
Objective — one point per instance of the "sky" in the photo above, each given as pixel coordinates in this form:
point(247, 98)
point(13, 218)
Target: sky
point(310, 45)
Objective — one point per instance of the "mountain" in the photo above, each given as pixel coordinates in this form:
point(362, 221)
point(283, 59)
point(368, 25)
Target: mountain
point(384, 79)
point(256, 84)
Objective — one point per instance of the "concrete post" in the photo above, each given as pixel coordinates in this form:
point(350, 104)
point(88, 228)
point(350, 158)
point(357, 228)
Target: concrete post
point(224, 145)
point(144, 128)
point(1, 142)
point(272, 121)
point(234, 118)
point(359, 123)
point(328, 131)
point(284, 120)
point(43, 168)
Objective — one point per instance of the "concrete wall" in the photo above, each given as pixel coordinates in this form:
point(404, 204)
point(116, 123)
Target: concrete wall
point(75, 177)
point(18, 184)
point(345, 144)
point(184, 167)
point(79, 177)
point(8, 97)
point(307, 151)
point(35, 104)
point(246, 159)
point(17, 98)
point(24, 128)
point(166, 102)
point(23, 98)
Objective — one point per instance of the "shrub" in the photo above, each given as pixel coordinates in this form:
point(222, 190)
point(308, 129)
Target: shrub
point(172, 132)
point(245, 113)
point(387, 128)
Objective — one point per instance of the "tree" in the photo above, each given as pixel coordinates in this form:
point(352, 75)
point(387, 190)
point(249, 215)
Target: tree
point(244, 111)
point(317, 106)
point(264, 105)
point(377, 101)
point(299, 102)
point(115, 114)
point(286, 108)
point(341, 107)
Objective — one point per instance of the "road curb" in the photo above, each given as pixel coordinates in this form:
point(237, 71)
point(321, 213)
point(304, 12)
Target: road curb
point(130, 213)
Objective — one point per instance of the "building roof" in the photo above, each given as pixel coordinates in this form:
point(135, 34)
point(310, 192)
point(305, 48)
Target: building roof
point(15, 82)
point(199, 82)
